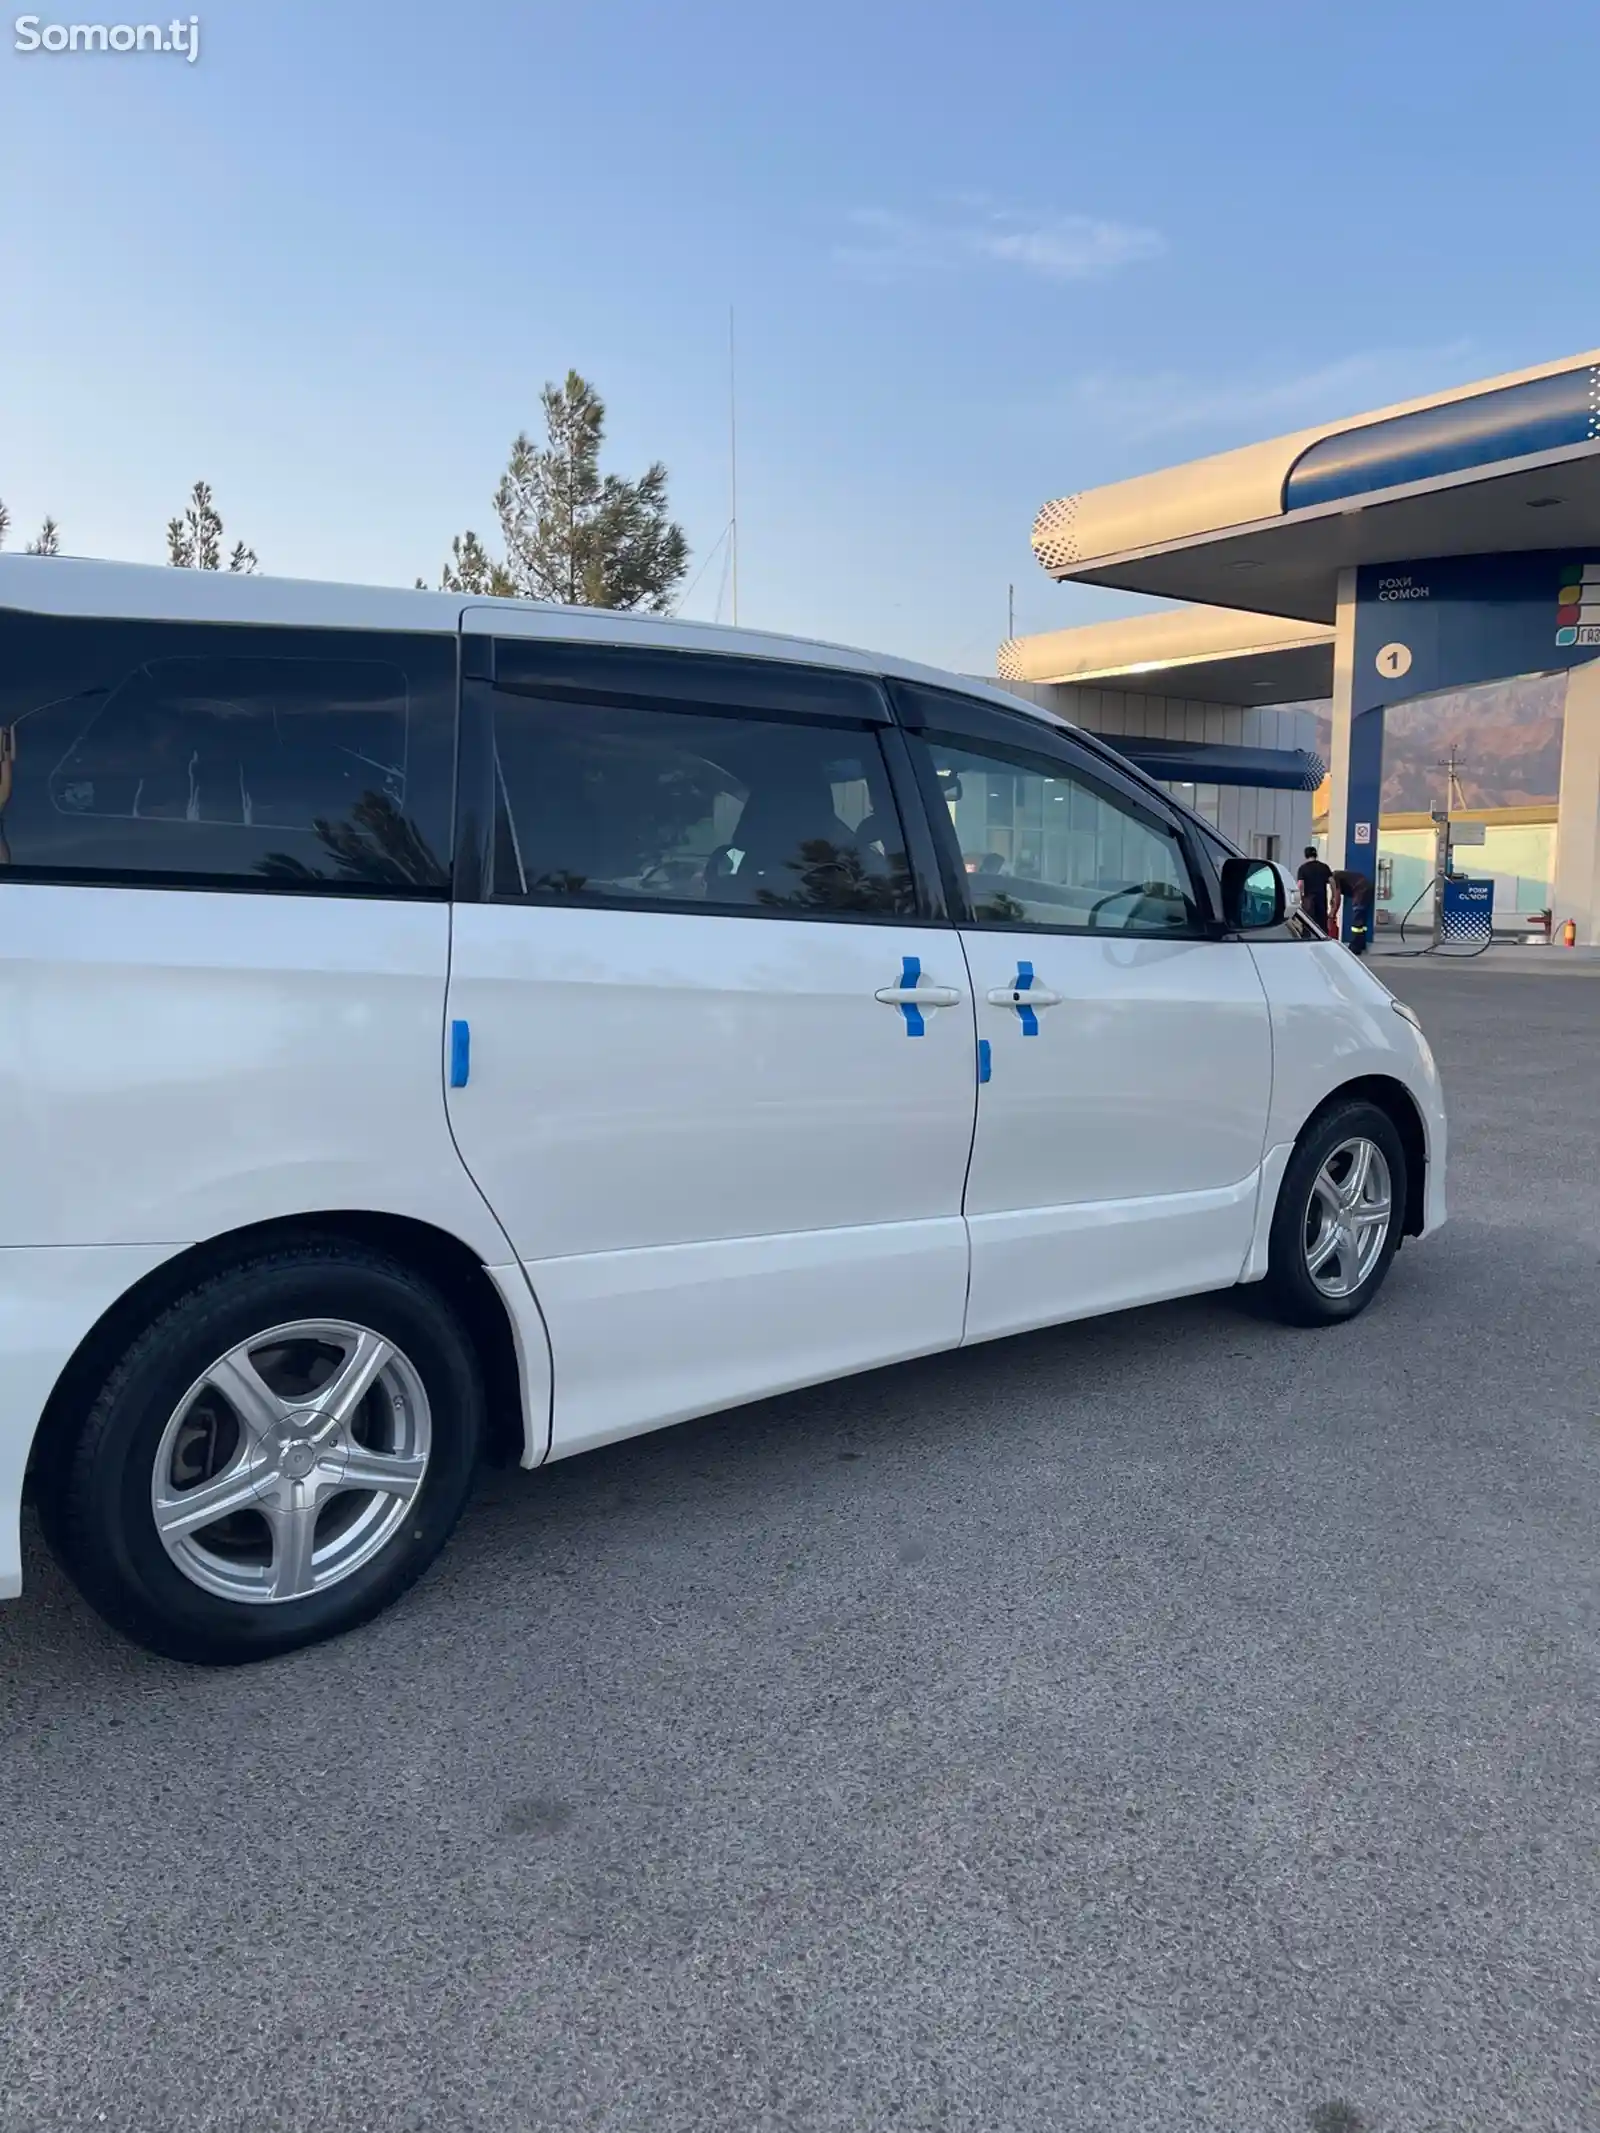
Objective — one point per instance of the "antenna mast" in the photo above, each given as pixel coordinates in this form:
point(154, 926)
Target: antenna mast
point(733, 474)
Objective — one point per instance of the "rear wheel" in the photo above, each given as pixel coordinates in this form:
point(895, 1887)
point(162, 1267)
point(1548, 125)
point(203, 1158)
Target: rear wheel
point(1338, 1219)
point(275, 1459)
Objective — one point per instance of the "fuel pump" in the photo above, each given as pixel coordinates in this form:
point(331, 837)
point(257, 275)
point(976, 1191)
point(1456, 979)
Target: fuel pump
point(1441, 871)
point(1461, 908)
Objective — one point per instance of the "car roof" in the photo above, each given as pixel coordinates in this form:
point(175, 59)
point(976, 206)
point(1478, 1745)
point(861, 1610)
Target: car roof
point(74, 585)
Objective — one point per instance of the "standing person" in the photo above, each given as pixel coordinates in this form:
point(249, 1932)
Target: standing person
point(8, 756)
point(1349, 885)
point(1314, 877)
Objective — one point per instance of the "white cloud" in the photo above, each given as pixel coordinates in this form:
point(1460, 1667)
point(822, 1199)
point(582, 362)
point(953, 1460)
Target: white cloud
point(1056, 247)
point(1162, 402)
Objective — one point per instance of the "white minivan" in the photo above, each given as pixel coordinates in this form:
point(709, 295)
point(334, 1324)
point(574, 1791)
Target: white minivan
point(435, 1028)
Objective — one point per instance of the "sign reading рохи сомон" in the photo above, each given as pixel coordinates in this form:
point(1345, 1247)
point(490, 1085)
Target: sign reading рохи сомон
point(1449, 622)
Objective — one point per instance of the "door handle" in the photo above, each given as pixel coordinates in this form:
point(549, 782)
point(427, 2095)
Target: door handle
point(1018, 996)
point(911, 996)
point(918, 996)
point(1025, 994)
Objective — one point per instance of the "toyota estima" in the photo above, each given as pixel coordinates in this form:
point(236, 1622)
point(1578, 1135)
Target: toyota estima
point(435, 1028)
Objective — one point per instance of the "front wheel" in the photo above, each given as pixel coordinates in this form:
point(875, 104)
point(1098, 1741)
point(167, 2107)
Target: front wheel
point(275, 1459)
point(1339, 1216)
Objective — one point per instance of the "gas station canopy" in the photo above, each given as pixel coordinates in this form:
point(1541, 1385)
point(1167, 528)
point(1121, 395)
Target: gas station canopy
point(1507, 465)
point(1206, 654)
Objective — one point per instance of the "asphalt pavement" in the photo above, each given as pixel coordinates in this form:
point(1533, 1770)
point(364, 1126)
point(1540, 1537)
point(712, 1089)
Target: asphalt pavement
point(1169, 1722)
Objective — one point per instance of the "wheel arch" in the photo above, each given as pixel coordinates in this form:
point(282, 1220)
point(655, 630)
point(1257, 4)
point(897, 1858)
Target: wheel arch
point(516, 1389)
point(1395, 1100)
point(1397, 1103)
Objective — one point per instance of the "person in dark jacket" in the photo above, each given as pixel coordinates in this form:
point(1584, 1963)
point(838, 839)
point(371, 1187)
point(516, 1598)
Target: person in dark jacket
point(8, 756)
point(1354, 888)
point(1314, 877)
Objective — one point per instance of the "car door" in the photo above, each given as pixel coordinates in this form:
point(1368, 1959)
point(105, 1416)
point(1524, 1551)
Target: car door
point(711, 1032)
point(1129, 1053)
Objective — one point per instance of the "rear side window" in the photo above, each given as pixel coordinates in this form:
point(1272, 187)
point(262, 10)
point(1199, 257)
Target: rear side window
point(617, 803)
point(210, 754)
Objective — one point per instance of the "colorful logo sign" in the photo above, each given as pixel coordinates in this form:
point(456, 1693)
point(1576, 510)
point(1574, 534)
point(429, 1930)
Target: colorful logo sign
point(1578, 609)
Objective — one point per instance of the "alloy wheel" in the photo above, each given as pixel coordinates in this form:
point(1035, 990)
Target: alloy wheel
point(1348, 1216)
point(292, 1461)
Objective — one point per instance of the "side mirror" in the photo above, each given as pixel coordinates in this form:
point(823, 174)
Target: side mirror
point(1252, 895)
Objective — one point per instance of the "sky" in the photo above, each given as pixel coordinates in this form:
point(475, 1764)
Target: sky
point(977, 257)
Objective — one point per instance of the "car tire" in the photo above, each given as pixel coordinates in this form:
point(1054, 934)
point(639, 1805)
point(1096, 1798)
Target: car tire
point(330, 1402)
point(1345, 1186)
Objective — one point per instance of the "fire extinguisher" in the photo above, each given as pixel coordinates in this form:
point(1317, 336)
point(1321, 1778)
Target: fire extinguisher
point(1569, 934)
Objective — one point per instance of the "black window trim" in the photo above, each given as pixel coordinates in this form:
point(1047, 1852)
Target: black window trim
point(1028, 737)
point(472, 841)
point(940, 882)
point(473, 880)
point(923, 855)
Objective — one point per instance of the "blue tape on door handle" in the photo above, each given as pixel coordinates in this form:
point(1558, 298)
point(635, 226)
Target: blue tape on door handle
point(460, 1054)
point(910, 974)
point(984, 1067)
point(1025, 1014)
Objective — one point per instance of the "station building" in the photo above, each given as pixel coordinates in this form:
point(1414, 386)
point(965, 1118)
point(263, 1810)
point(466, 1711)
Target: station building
point(1204, 699)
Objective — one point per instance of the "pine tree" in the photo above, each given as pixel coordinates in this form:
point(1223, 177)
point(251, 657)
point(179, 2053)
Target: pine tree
point(471, 569)
point(572, 534)
point(46, 542)
point(194, 541)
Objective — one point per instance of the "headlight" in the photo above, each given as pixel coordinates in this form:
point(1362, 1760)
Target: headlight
point(1410, 1013)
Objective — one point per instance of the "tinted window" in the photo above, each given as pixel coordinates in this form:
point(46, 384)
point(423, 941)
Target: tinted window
point(1041, 846)
point(196, 752)
point(613, 803)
